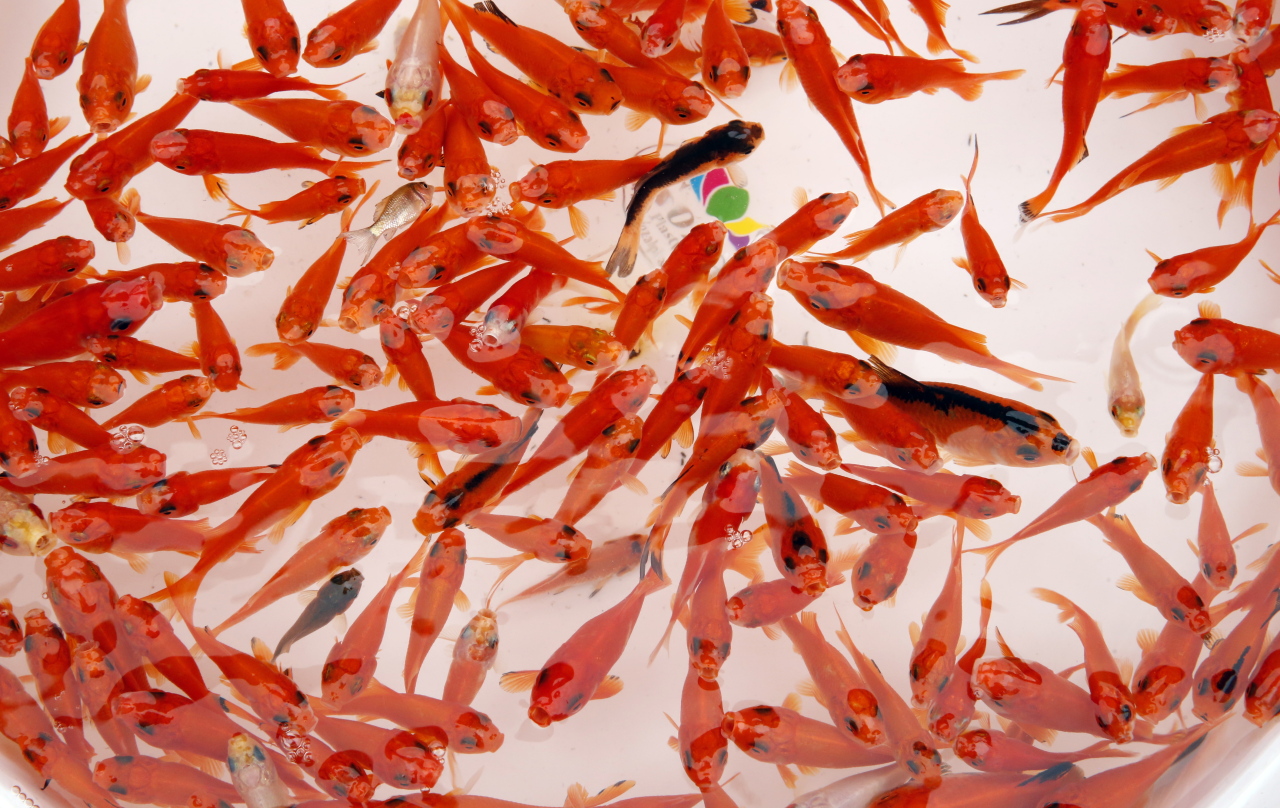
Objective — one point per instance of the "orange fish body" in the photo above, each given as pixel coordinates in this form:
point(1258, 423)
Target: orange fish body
point(964, 495)
point(726, 64)
point(17, 222)
point(29, 124)
point(58, 41)
point(563, 183)
point(243, 85)
point(113, 220)
point(342, 541)
point(748, 271)
point(809, 49)
point(459, 425)
point(576, 346)
point(183, 493)
point(881, 568)
point(1085, 59)
point(812, 222)
point(799, 546)
point(108, 165)
point(1106, 487)
point(502, 330)
point(548, 540)
point(766, 603)
point(1223, 138)
point(468, 731)
point(677, 403)
point(303, 307)
point(403, 350)
point(473, 656)
point(1189, 452)
point(311, 204)
point(924, 214)
point(54, 415)
point(994, 751)
point(172, 400)
point(227, 248)
point(138, 777)
point(1026, 691)
point(577, 670)
point(398, 757)
point(952, 707)
point(843, 690)
point(508, 236)
point(1215, 345)
point(982, 259)
point(883, 427)
point(439, 581)
point(309, 472)
point(423, 150)
point(153, 636)
point(83, 383)
point(349, 366)
point(1262, 696)
point(1203, 269)
point(50, 662)
point(573, 77)
point(782, 736)
point(468, 179)
point(273, 35)
point(738, 356)
point(352, 661)
point(670, 98)
point(201, 152)
point(873, 78)
point(100, 472)
point(485, 113)
point(806, 433)
point(526, 376)
point(1267, 410)
point(219, 358)
point(700, 739)
point(109, 74)
point(346, 127)
point(347, 32)
point(933, 655)
point(46, 262)
point(134, 355)
point(318, 405)
point(873, 508)
point(608, 458)
point(685, 268)
point(108, 307)
point(836, 374)
point(1170, 80)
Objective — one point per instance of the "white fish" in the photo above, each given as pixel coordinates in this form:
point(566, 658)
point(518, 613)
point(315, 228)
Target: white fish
point(401, 207)
point(1124, 391)
point(414, 78)
point(854, 791)
point(23, 530)
point(254, 775)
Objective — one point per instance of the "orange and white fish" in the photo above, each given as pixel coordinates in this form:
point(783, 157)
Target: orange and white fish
point(109, 76)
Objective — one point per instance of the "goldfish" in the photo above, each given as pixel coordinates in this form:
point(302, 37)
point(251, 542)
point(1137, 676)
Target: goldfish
point(254, 775)
point(809, 53)
point(468, 180)
point(814, 220)
point(1140, 17)
point(578, 670)
point(1085, 58)
point(836, 682)
point(1211, 344)
point(873, 508)
point(438, 588)
point(29, 125)
point(334, 597)
point(11, 641)
point(782, 736)
point(201, 152)
point(508, 236)
point(1203, 269)
point(1125, 401)
point(799, 546)
point(83, 383)
point(1162, 678)
point(99, 527)
point(309, 205)
point(655, 93)
point(700, 738)
point(952, 707)
point(995, 751)
point(347, 33)
point(1170, 81)
point(1106, 487)
point(549, 122)
point(740, 351)
point(349, 366)
point(57, 417)
point(1267, 410)
point(152, 634)
point(458, 425)
point(47, 262)
point(107, 166)
point(748, 271)
point(58, 41)
point(1030, 693)
point(720, 146)
point(100, 471)
point(185, 281)
point(170, 401)
point(468, 731)
point(1123, 785)
point(114, 221)
point(806, 433)
point(221, 86)
point(502, 330)
point(233, 250)
point(873, 78)
point(1154, 580)
point(473, 656)
point(670, 418)
point(273, 36)
point(100, 682)
point(398, 757)
point(109, 76)
point(526, 377)
point(882, 426)
point(573, 77)
point(402, 207)
point(995, 789)
point(726, 63)
point(403, 350)
point(881, 568)
point(967, 496)
point(933, 654)
point(1260, 695)
point(309, 472)
point(1016, 435)
point(614, 557)
point(1189, 452)
point(1223, 138)
point(423, 150)
point(17, 222)
point(545, 539)
point(19, 456)
point(183, 493)
point(567, 183)
point(836, 374)
point(982, 260)
point(140, 779)
point(414, 78)
point(50, 661)
point(911, 746)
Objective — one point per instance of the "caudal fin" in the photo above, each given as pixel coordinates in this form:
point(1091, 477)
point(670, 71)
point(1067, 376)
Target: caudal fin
point(362, 240)
point(623, 259)
point(286, 356)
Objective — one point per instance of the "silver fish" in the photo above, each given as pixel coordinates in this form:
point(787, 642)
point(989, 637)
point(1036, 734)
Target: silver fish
point(23, 529)
point(254, 775)
point(401, 207)
point(335, 596)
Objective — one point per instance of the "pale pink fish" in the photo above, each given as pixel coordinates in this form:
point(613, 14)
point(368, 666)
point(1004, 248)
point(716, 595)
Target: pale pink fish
point(415, 76)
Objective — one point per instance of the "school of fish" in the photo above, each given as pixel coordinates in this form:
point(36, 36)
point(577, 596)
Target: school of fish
point(560, 373)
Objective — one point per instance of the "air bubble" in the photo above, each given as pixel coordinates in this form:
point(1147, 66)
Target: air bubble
point(737, 538)
point(1215, 461)
point(43, 460)
point(218, 457)
point(406, 309)
point(237, 437)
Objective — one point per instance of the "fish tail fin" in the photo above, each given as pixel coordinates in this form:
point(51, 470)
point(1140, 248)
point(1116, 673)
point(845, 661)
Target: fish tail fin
point(1067, 610)
point(992, 552)
point(286, 356)
point(1034, 206)
point(1144, 307)
point(362, 240)
point(182, 593)
point(666, 638)
point(623, 259)
point(970, 89)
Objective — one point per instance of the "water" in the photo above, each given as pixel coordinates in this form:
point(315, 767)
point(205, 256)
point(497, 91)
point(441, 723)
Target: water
point(1083, 278)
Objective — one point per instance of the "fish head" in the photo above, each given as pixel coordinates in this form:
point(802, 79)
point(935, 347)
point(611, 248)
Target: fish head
point(475, 732)
point(1206, 345)
point(973, 747)
point(924, 763)
point(106, 98)
point(23, 530)
point(1208, 18)
point(87, 529)
point(410, 762)
point(939, 207)
point(864, 707)
point(984, 498)
point(595, 91)
point(328, 46)
point(1180, 276)
point(348, 775)
point(536, 187)
point(357, 129)
point(185, 151)
point(1213, 74)
point(859, 80)
point(245, 253)
point(947, 725)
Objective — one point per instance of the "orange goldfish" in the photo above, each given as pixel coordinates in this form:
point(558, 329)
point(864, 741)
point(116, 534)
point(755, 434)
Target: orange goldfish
point(272, 34)
point(58, 41)
point(483, 110)
point(1203, 269)
point(347, 33)
point(29, 124)
point(109, 77)
point(924, 214)
point(1189, 453)
point(873, 78)
point(310, 205)
point(836, 683)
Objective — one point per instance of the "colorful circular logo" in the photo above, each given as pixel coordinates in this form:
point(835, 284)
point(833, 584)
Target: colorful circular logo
point(728, 202)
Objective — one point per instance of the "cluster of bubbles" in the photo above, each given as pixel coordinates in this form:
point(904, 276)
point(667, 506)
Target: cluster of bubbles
point(218, 457)
point(737, 538)
point(237, 437)
point(501, 204)
point(127, 437)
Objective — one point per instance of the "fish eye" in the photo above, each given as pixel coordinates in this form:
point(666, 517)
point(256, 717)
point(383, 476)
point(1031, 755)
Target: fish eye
point(682, 113)
point(547, 200)
point(980, 284)
point(120, 100)
point(84, 100)
point(356, 143)
point(552, 140)
point(584, 100)
point(345, 199)
point(263, 53)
